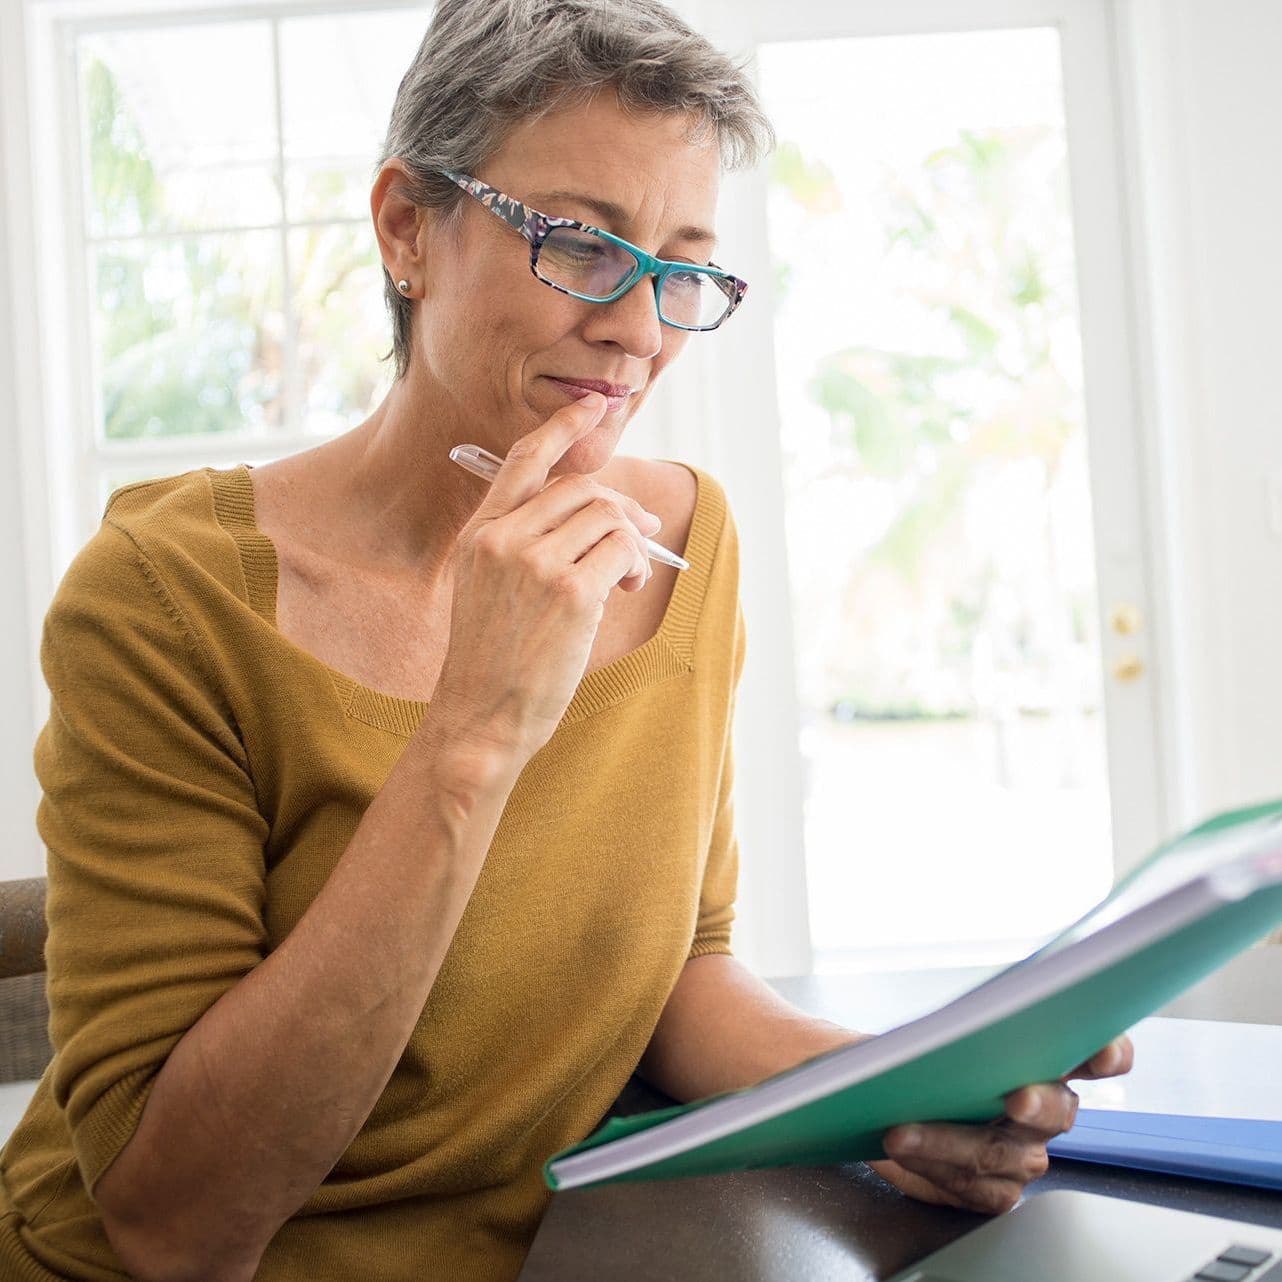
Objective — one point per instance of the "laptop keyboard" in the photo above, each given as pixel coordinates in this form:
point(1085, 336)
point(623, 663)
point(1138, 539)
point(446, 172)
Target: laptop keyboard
point(1236, 1264)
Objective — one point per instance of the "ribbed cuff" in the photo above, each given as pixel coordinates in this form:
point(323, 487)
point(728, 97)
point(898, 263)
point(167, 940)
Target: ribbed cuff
point(110, 1123)
point(705, 945)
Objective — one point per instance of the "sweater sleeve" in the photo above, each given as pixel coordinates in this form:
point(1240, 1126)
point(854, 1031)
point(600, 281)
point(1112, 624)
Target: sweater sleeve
point(721, 873)
point(153, 837)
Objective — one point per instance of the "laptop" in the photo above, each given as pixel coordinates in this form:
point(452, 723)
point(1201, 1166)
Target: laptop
point(1067, 1236)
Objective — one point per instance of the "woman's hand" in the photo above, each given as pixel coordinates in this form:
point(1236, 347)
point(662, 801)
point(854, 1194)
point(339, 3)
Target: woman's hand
point(533, 569)
point(985, 1167)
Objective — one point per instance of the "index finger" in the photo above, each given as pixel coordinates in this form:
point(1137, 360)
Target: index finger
point(524, 472)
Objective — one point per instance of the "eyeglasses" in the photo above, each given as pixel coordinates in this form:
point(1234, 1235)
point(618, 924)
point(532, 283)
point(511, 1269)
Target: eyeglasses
point(586, 262)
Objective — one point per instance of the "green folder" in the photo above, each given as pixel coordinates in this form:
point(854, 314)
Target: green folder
point(1193, 904)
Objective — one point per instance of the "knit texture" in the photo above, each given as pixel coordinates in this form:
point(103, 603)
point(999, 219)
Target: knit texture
point(201, 777)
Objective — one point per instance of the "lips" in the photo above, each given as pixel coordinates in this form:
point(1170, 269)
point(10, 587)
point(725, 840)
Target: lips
point(597, 385)
point(616, 394)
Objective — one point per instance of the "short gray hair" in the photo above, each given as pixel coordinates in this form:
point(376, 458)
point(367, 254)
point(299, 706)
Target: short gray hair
point(486, 66)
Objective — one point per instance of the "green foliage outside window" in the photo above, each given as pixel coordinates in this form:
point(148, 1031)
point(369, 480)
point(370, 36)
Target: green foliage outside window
point(191, 325)
point(992, 286)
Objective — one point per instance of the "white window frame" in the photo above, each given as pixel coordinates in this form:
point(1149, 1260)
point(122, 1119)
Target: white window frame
point(74, 514)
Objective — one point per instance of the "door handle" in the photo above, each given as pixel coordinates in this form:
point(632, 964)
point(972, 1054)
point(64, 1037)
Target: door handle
point(1125, 619)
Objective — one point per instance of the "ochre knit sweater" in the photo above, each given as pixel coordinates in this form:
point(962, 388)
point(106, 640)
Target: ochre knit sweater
point(201, 777)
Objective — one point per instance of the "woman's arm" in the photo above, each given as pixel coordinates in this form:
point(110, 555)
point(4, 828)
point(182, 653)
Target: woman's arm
point(266, 1091)
point(723, 1029)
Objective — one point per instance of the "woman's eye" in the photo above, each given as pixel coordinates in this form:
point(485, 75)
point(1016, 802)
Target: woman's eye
point(576, 254)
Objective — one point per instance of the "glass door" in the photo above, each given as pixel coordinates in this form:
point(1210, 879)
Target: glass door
point(964, 533)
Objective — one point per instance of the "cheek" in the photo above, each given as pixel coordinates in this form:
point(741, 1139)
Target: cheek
point(674, 343)
point(469, 348)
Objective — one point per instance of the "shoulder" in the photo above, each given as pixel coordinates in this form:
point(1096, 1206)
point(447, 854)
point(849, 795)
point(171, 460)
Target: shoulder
point(159, 553)
point(114, 561)
point(136, 611)
point(185, 526)
point(141, 502)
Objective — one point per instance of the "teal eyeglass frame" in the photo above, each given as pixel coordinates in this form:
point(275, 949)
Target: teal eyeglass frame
point(536, 227)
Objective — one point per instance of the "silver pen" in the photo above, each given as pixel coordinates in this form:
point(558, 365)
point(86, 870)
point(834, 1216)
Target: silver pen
point(486, 465)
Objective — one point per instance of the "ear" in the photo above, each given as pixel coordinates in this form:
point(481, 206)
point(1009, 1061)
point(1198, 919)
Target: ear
point(402, 227)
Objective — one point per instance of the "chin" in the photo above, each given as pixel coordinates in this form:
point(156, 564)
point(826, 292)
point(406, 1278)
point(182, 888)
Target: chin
point(586, 456)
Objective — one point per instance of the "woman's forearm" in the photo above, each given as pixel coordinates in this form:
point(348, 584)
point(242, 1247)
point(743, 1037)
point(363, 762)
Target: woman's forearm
point(723, 1028)
point(261, 1097)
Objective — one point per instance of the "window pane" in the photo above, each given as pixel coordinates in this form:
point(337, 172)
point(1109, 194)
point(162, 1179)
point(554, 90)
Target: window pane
point(343, 326)
point(190, 335)
point(339, 75)
point(937, 495)
point(178, 128)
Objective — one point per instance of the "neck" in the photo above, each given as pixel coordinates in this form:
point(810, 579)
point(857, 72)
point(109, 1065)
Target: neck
point(404, 502)
point(400, 501)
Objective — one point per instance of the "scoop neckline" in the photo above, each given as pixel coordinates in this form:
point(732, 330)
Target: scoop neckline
point(668, 653)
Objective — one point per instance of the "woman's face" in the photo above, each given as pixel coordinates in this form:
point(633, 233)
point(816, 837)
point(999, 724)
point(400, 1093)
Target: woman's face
point(493, 338)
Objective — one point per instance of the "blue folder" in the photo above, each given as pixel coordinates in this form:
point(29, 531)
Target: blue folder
point(1234, 1149)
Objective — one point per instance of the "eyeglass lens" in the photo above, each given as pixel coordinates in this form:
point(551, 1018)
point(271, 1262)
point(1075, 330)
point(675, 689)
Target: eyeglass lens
point(596, 267)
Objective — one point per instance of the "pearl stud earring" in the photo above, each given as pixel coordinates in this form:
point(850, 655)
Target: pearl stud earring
point(403, 286)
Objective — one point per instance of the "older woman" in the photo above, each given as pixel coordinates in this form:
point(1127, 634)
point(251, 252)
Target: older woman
point(385, 839)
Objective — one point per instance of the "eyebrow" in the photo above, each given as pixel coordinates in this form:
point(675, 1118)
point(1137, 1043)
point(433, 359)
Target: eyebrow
point(608, 209)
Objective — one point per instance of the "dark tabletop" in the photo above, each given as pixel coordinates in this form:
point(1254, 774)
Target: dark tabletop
point(836, 1223)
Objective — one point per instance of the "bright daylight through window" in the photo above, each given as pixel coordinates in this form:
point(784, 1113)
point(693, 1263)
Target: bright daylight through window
point(937, 495)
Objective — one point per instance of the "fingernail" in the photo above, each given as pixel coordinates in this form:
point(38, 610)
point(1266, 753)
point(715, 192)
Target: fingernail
point(650, 516)
point(1030, 1110)
point(908, 1140)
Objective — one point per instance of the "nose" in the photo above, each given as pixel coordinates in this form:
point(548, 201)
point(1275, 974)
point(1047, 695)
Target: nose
point(632, 322)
